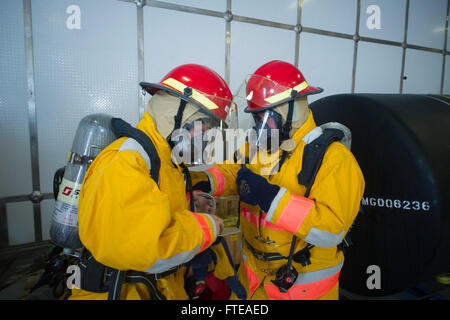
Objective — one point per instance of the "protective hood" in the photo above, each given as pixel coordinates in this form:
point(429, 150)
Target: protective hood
point(300, 114)
point(163, 107)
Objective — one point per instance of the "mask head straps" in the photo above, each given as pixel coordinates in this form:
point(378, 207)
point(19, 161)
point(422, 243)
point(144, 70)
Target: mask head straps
point(288, 125)
point(179, 116)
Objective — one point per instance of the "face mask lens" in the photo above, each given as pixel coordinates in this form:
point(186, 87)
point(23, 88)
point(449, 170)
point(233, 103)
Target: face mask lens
point(267, 126)
point(189, 142)
point(269, 120)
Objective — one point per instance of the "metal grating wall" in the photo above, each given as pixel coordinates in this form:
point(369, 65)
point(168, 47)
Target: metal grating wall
point(54, 72)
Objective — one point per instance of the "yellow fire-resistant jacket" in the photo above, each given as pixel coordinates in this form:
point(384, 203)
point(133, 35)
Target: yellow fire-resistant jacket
point(127, 222)
point(322, 220)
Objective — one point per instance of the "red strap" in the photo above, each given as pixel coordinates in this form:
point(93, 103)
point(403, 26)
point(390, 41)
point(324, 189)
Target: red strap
point(207, 239)
point(254, 219)
point(220, 181)
point(294, 213)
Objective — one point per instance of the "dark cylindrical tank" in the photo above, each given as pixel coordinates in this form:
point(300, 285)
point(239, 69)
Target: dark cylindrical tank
point(402, 144)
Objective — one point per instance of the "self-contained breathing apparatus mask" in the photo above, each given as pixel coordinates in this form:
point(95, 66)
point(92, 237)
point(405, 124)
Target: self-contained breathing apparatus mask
point(188, 143)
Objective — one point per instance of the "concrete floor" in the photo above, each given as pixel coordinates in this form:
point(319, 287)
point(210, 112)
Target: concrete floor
point(19, 273)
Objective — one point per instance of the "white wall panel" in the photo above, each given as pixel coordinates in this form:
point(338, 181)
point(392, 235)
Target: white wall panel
point(331, 15)
point(81, 71)
point(20, 222)
point(326, 62)
point(173, 38)
point(15, 163)
point(423, 71)
point(378, 68)
point(391, 15)
point(254, 45)
point(284, 11)
point(426, 23)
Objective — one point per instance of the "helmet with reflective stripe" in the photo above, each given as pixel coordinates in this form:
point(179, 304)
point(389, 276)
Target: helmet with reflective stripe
point(198, 85)
point(275, 83)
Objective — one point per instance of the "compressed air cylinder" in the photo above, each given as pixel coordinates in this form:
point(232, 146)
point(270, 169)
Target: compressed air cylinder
point(93, 134)
point(401, 236)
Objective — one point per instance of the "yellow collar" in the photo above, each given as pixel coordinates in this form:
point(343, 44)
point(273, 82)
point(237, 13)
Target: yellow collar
point(304, 129)
point(147, 125)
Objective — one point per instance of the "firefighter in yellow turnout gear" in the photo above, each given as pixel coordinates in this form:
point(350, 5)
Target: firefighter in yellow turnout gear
point(274, 208)
point(137, 227)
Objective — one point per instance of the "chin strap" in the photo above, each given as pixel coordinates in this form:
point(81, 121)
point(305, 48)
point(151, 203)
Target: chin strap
point(189, 187)
point(287, 126)
point(179, 116)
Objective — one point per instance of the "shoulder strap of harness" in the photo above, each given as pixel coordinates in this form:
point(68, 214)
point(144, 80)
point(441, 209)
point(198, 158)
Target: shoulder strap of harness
point(313, 155)
point(124, 129)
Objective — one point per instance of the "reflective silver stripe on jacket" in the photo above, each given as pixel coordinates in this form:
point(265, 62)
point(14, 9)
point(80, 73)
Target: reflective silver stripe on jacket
point(312, 135)
point(213, 224)
point(275, 203)
point(131, 144)
point(318, 275)
point(162, 265)
point(324, 239)
point(211, 182)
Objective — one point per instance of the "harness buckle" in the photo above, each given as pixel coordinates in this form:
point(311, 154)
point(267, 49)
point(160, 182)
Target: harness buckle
point(266, 241)
point(159, 276)
point(270, 272)
point(303, 256)
point(258, 254)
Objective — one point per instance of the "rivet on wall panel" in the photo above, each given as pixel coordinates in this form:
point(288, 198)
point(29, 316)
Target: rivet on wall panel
point(139, 3)
point(228, 16)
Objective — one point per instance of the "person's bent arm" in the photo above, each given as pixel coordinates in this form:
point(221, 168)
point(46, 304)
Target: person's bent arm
point(126, 221)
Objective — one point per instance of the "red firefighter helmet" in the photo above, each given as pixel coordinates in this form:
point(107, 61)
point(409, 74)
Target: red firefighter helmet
point(273, 84)
point(198, 85)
